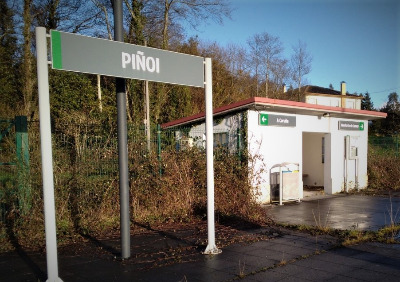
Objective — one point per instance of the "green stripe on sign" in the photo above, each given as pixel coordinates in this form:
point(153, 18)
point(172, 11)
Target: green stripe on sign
point(56, 49)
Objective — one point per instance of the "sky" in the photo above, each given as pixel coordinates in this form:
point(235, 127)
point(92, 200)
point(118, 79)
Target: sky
point(356, 41)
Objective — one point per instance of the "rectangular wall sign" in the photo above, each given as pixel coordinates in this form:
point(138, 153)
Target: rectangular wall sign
point(85, 54)
point(351, 125)
point(277, 120)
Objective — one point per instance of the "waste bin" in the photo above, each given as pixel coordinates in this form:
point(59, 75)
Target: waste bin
point(287, 174)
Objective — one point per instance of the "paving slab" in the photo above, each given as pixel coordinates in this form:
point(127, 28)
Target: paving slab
point(344, 212)
point(289, 256)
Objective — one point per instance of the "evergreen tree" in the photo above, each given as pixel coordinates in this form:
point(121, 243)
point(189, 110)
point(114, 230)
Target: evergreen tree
point(72, 93)
point(366, 103)
point(391, 125)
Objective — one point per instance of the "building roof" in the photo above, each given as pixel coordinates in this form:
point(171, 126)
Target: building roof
point(281, 106)
point(318, 90)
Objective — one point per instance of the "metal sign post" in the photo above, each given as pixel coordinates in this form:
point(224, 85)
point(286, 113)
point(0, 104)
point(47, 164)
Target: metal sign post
point(47, 155)
point(211, 247)
point(122, 145)
point(121, 60)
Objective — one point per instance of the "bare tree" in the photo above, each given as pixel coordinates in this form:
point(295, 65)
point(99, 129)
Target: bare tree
point(236, 58)
point(104, 7)
point(300, 64)
point(67, 15)
point(254, 58)
point(265, 50)
point(169, 12)
point(280, 73)
point(136, 22)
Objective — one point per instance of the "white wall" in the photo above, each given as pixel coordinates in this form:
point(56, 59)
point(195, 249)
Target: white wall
point(274, 144)
point(324, 100)
point(331, 101)
point(271, 145)
point(338, 163)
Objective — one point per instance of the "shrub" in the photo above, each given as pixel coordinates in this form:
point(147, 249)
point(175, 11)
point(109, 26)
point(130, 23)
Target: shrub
point(383, 169)
point(87, 191)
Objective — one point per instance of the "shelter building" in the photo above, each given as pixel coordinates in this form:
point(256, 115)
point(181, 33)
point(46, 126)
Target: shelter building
point(311, 143)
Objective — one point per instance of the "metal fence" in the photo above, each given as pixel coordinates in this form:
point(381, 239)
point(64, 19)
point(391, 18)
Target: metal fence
point(385, 144)
point(8, 171)
point(85, 156)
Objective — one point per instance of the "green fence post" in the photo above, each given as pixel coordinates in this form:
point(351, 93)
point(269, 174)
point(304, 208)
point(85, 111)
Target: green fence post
point(159, 147)
point(22, 150)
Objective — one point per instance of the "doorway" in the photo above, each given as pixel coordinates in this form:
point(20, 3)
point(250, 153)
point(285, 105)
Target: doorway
point(314, 159)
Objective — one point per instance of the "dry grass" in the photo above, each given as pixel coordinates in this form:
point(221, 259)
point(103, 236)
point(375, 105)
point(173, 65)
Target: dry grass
point(383, 170)
point(87, 198)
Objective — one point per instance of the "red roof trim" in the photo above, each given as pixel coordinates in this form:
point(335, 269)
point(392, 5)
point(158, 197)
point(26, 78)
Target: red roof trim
point(202, 115)
point(268, 101)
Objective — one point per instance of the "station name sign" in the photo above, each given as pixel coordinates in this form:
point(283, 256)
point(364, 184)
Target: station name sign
point(277, 120)
point(85, 54)
point(351, 125)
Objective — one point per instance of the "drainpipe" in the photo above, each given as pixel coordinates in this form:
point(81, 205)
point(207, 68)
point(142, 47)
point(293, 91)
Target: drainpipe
point(356, 174)
point(280, 186)
point(346, 161)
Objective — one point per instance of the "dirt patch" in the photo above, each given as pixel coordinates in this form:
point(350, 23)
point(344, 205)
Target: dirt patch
point(164, 244)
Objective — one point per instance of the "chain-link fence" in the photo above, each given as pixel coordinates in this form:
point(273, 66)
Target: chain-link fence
point(7, 163)
point(389, 145)
point(85, 159)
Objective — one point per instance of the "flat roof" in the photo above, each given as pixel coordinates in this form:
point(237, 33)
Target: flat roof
point(281, 106)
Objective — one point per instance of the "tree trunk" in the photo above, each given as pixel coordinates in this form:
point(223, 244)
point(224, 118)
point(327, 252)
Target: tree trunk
point(27, 77)
point(99, 93)
point(166, 23)
point(104, 10)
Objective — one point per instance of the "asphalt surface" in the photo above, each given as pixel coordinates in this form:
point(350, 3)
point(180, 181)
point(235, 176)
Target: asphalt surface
point(283, 256)
point(344, 212)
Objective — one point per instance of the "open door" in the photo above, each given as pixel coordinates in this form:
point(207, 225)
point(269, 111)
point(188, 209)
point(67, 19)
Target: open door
point(314, 158)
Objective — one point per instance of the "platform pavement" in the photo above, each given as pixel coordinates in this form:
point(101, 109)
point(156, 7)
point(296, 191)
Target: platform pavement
point(340, 211)
point(292, 256)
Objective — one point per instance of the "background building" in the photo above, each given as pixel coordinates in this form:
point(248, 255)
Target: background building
point(311, 144)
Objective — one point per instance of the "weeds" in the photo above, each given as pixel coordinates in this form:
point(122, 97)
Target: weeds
point(383, 170)
point(390, 231)
point(323, 226)
point(283, 261)
point(242, 266)
point(393, 228)
point(87, 194)
point(184, 279)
